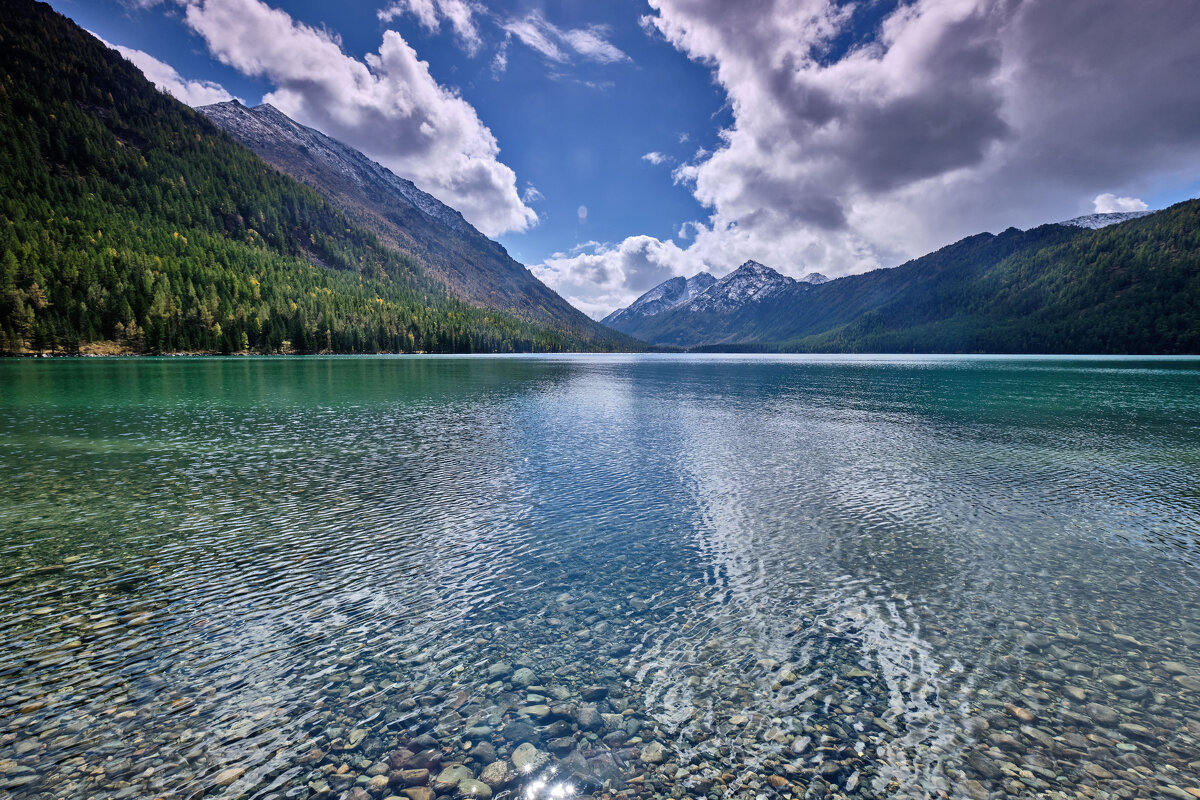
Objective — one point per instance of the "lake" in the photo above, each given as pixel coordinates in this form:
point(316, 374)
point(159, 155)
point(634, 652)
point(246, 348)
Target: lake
point(609, 576)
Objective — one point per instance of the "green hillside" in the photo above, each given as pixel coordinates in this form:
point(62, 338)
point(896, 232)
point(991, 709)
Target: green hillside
point(1128, 288)
point(129, 222)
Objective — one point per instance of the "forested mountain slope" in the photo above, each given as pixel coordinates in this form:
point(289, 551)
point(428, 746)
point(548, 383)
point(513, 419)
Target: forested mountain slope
point(1128, 288)
point(130, 220)
point(471, 266)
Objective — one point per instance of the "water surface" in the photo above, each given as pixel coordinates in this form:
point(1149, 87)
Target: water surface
point(677, 576)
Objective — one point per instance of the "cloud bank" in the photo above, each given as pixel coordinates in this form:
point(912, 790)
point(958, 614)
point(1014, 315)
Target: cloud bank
point(946, 118)
point(386, 105)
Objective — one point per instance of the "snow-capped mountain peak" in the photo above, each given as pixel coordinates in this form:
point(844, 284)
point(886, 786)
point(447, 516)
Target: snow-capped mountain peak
point(751, 282)
point(665, 296)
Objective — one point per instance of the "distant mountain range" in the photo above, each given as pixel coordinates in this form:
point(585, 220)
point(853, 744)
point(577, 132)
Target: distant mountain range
point(1104, 283)
point(470, 266)
point(704, 295)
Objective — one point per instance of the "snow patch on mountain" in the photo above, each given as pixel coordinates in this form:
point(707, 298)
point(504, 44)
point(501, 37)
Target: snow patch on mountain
point(1097, 221)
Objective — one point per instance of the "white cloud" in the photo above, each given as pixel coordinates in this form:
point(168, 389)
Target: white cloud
point(424, 10)
point(592, 44)
point(387, 105)
point(597, 278)
point(1107, 203)
point(656, 158)
point(500, 62)
point(537, 33)
point(531, 194)
point(167, 79)
point(431, 13)
point(953, 117)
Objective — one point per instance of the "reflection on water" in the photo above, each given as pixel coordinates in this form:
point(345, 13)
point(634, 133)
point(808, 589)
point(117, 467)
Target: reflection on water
point(608, 576)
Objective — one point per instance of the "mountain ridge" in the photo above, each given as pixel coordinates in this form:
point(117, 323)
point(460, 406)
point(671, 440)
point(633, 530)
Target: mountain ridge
point(1128, 287)
point(751, 282)
point(1103, 219)
point(472, 267)
point(663, 297)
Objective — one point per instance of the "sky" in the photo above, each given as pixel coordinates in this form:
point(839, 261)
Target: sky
point(612, 145)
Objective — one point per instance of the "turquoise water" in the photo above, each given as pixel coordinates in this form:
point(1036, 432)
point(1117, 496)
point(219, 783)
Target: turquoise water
point(659, 576)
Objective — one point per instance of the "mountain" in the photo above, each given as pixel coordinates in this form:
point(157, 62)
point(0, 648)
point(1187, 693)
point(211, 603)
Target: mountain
point(727, 303)
point(133, 223)
point(1130, 287)
point(1097, 221)
point(468, 264)
point(663, 297)
point(752, 282)
point(702, 292)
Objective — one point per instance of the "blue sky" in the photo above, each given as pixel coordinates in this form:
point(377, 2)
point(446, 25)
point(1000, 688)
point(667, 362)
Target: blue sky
point(810, 135)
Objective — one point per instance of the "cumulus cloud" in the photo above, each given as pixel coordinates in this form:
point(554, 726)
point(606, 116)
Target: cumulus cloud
point(431, 14)
point(554, 43)
point(945, 118)
point(597, 278)
point(1108, 203)
point(656, 158)
point(164, 76)
point(386, 105)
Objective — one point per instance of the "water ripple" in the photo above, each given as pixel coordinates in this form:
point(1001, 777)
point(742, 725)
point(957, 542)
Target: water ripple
point(858, 578)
